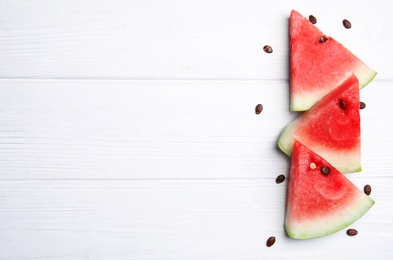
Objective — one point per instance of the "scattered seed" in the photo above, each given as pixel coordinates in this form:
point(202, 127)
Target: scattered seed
point(280, 178)
point(323, 39)
point(270, 241)
point(312, 19)
point(367, 189)
point(343, 105)
point(352, 232)
point(313, 165)
point(267, 49)
point(325, 170)
point(362, 105)
point(347, 24)
point(258, 109)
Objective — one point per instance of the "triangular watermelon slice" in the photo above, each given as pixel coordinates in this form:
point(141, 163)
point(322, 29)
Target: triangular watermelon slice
point(328, 129)
point(318, 66)
point(320, 199)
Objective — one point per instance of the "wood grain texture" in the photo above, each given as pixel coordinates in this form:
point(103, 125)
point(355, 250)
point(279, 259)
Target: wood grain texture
point(128, 130)
point(150, 130)
point(166, 170)
point(161, 219)
point(179, 40)
point(139, 129)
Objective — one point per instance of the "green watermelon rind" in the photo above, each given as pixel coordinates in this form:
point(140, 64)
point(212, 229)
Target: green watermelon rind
point(286, 140)
point(345, 159)
point(332, 223)
point(304, 102)
point(344, 163)
point(365, 76)
point(304, 94)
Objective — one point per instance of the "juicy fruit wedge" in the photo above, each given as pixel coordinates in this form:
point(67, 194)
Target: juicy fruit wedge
point(319, 204)
point(318, 67)
point(328, 129)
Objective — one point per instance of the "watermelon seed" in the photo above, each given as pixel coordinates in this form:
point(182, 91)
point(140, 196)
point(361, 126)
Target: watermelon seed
point(367, 189)
point(323, 39)
point(313, 166)
point(258, 109)
point(342, 104)
point(352, 232)
point(312, 19)
point(280, 178)
point(362, 105)
point(270, 241)
point(347, 24)
point(267, 49)
point(325, 170)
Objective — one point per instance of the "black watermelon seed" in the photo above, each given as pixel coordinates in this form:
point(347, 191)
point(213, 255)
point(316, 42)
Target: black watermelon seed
point(270, 241)
point(325, 170)
point(267, 49)
point(258, 109)
point(347, 24)
point(312, 19)
point(362, 105)
point(342, 104)
point(367, 189)
point(323, 39)
point(352, 232)
point(280, 179)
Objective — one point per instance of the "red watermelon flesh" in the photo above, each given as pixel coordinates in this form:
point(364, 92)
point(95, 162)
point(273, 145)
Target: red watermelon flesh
point(328, 129)
point(316, 67)
point(319, 204)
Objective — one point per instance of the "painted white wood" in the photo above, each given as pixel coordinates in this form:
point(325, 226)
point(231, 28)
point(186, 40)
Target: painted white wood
point(160, 130)
point(166, 170)
point(128, 131)
point(139, 129)
point(178, 39)
point(172, 219)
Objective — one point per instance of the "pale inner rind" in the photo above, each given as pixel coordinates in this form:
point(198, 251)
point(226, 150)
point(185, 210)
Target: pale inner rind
point(305, 100)
point(332, 222)
point(348, 160)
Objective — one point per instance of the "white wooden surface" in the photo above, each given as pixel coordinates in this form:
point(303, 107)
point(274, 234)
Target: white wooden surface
point(128, 131)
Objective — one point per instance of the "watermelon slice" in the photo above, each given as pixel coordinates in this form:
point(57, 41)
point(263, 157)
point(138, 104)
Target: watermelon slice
point(319, 204)
point(318, 66)
point(328, 129)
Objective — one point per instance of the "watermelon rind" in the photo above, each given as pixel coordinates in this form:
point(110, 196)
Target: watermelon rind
point(306, 100)
point(329, 130)
point(345, 161)
point(365, 75)
point(331, 223)
point(320, 204)
point(315, 68)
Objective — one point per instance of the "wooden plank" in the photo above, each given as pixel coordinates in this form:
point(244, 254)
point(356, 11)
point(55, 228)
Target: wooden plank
point(161, 129)
point(138, 129)
point(181, 40)
point(146, 145)
point(172, 219)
